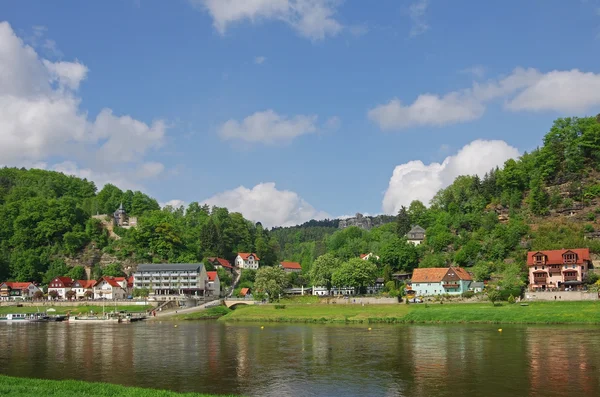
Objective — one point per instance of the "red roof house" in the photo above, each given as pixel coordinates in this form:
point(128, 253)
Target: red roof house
point(289, 267)
point(558, 269)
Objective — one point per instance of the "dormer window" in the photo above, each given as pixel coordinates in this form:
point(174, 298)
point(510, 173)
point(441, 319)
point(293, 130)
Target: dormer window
point(570, 257)
point(539, 258)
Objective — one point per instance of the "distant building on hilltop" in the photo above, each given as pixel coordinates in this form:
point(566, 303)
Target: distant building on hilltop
point(365, 222)
point(119, 218)
point(416, 235)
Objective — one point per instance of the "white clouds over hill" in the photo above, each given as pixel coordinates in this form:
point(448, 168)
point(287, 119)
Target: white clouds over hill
point(569, 92)
point(41, 121)
point(415, 180)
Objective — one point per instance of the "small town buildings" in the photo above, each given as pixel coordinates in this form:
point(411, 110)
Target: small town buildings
point(110, 288)
point(214, 284)
point(291, 267)
point(477, 286)
point(81, 287)
point(247, 260)
point(61, 285)
point(416, 235)
point(368, 256)
point(440, 281)
point(558, 269)
point(16, 290)
point(220, 263)
point(122, 219)
point(377, 287)
point(335, 291)
point(172, 278)
point(298, 291)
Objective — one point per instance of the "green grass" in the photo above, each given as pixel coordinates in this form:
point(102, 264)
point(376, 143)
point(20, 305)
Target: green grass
point(84, 308)
point(208, 314)
point(26, 387)
point(535, 313)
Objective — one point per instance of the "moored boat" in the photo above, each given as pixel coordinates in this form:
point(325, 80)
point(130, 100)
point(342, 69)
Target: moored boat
point(26, 317)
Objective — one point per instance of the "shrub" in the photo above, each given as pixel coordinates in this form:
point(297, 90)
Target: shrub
point(468, 294)
point(567, 203)
point(588, 228)
point(279, 306)
point(511, 299)
point(591, 216)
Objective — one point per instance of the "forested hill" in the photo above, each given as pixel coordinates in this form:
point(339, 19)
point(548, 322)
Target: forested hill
point(546, 199)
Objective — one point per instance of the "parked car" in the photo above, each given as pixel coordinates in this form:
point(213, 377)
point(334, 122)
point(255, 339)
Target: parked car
point(416, 300)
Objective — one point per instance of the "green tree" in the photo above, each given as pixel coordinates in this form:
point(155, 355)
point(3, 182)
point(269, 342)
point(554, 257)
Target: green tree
point(322, 270)
point(141, 292)
point(57, 268)
point(538, 199)
point(113, 270)
point(402, 222)
point(356, 273)
point(77, 273)
point(270, 281)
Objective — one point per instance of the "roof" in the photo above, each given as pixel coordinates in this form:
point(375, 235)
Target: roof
point(436, 274)
point(18, 285)
point(380, 280)
point(130, 281)
point(221, 261)
point(211, 276)
point(362, 256)
point(416, 229)
point(157, 267)
point(291, 265)
point(244, 291)
point(245, 255)
point(111, 281)
point(86, 283)
point(555, 257)
point(67, 281)
point(477, 284)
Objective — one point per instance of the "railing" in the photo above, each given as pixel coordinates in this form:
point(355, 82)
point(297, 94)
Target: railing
point(570, 278)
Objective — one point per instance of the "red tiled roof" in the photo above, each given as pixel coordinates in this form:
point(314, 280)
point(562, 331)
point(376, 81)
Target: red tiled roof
point(111, 281)
point(245, 255)
point(221, 261)
point(211, 276)
point(87, 283)
point(362, 256)
point(17, 285)
point(555, 257)
point(67, 281)
point(130, 281)
point(119, 278)
point(436, 274)
point(244, 291)
point(291, 265)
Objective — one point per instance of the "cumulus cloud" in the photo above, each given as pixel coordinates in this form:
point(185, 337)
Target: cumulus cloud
point(313, 19)
point(418, 181)
point(268, 127)
point(523, 90)
point(417, 11)
point(266, 204)
point(41, 121)
point(174, 204)
point(259, 60)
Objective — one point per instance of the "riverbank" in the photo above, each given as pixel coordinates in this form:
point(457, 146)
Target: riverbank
point(476, 313)
point(26, 387)
point(212, 313)
point(73, 309)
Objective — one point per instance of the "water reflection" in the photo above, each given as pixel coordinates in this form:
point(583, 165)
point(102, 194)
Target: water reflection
point(305, 360)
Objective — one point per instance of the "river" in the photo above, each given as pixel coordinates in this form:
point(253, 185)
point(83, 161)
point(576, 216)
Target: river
point(312, 360)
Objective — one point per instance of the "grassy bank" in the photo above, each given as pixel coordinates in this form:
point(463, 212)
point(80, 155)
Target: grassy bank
point(26, 387)
point(73, 309)
point(534, 313)
point(208, 314)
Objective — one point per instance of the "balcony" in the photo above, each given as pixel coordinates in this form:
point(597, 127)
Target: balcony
point(571, 278)
point(450, 285)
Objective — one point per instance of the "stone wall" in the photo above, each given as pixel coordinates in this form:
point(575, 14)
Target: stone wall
point(561, 296)
point(359, 300)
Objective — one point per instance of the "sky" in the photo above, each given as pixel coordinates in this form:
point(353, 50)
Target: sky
point(289, 110)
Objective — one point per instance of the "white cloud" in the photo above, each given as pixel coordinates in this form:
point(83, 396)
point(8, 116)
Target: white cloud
point(266, 204)
point(268, 127)
point(477, 71)
point(333, 123)
point(524, 89)
point(417, 12)
point(313, 19)
point(174, 204)
point(417, 181)
point(259, 60)
point(41, 120)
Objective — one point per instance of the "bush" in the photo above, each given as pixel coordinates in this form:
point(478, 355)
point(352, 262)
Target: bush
point(279, 306)
point(468, 294)
point(591, 216)
point(511, 299)
point(588, 228)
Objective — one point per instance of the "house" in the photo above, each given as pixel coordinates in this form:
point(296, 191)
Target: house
point(377, 287)
point(109, 288)
point(291, 267)
point(214, 284)
point(84, 289)
point(558, 269)
point(245, 260)
point(14, 290)
point(220, 263)
point(440, 281)
point(368, 256)
point(335, 291)
point(172, 278)
point(298, 291)
point(401, 276)
point(245, 292)
point(416, 235)
point(477, 286)
point(61, 285)
point(122, 219)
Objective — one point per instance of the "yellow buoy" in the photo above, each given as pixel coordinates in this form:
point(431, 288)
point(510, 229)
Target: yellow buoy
point(175, 325)
point(369, 328)
point(499, 329)
point(262, 327)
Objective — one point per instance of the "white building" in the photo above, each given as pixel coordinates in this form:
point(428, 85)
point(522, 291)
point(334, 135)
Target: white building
point(335, 291)
point(172, 279)
point(214, 284)
point(82, 286)
point(61, 285)
point(416, 235)
point(246, 260)
point(16, 290)
point(110, 288)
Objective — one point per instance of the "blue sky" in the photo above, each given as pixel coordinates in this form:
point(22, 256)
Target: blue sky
point(287, 110)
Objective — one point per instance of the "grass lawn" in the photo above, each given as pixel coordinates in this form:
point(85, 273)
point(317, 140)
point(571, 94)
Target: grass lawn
point(26, 387)
point(534, 313)
point(84, 308)
point(208, 314)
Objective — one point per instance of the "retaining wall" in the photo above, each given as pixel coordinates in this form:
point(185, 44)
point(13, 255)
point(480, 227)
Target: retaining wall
point(562, 296)
point(359, 300)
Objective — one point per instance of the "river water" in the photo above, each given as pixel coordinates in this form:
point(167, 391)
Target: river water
point(312, 360)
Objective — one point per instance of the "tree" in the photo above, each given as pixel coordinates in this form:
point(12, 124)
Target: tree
point(402, 222)
point(270, 281)
point(77, 273)
point(493, 295)
point(70, 295)
point(38, 295)
point(113, 270)
point(58, 268)
point(356, 273)
point(141, 292)
point(538, 197)
point(53, 294)
point(88, 294)
point(322, 270)
point(224, 276)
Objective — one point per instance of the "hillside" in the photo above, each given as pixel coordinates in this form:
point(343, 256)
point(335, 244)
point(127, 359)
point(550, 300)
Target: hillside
point(549, 198)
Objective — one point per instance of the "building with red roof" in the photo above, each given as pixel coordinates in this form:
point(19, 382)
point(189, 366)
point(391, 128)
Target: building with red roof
point(247, 260)
point(84, 289)
point(558, 269)
point(214, 284)
point(61, 285)
point(110, 288)
point(291, 267)
point(440, 281)
point(220, 263)
point(15, 290)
